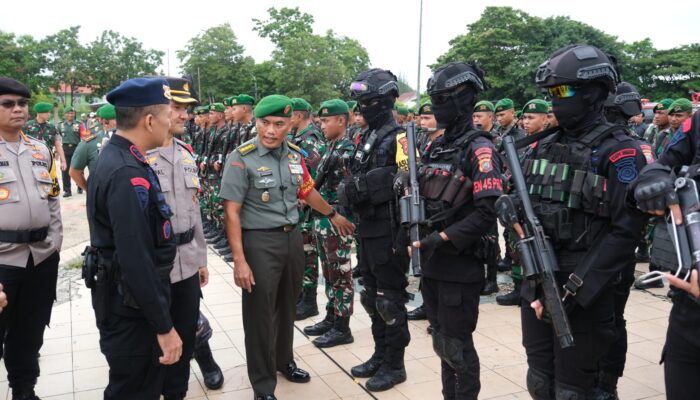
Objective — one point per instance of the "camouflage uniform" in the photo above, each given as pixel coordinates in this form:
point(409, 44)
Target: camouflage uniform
point(205, 138)
point(45, 132)
point(219, 142)
point(334, 249)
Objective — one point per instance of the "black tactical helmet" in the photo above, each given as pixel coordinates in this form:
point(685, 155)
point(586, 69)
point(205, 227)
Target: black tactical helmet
point(454, 74)
point(626, 99)
point(577, 65)
point(374, 83)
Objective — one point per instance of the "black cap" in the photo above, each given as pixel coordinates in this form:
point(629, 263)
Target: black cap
point(11, 86)
point(180, 90)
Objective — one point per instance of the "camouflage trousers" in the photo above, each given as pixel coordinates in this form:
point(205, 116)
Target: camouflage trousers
point(512, 251)
point(216, 204)
point(310, 280)
point(204, 200)
point(334, 252)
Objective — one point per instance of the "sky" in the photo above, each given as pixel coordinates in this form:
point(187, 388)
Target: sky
point(388, 29)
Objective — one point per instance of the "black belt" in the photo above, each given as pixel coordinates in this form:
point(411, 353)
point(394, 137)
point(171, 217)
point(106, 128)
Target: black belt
point(184, 237)
point(69, 144)
point(37, 235)
point(283, 228)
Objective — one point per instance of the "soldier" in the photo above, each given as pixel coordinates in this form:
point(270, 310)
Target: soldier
point(31, 234)
point(594, 236)
point(505, 116)
point(218, 142)
point(41, 129)
point(174, 164)
point(429, 127)
point(654, 193)
point(242, 112)
point(354, 128)
point(658, 134)
point(368, 191)
point(483, 115)
point(133, 243)
point(264, 179)
point(452, 278)
point(309, 138)
point(333, 248)
point(679, 111)
point(70, 130)
point(89, 148)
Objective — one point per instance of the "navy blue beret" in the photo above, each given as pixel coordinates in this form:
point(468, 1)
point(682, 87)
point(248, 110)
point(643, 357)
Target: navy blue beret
point(11, 86)
point(140, 92)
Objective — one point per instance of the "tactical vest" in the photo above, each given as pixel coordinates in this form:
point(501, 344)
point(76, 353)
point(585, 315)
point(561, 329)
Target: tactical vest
point(568, 194)
point(443, 183)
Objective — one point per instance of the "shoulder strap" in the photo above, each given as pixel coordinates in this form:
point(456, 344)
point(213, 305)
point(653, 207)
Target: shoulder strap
point(185, 146)
point(246, 147)
point(599, 133)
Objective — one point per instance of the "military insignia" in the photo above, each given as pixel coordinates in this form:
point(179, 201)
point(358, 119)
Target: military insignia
point(648, 153)
point(325, 111)
point(237, 164)
point(45, 175)
point(265, 197)
point(404, 145)
point(167, 230)
point(4, 193)
point(187, 160)
point(623, 161)
point(263, 169)
point(287, 109)
point(151, 160)
point(296, 169)
point(141, 187)
point(293, 157)
point(427, 109)
point(234, 101)
point(245, 149)
point(38, 156)
point(532, 106)
point(166, 92)
point(137, 154)
point(195, 181)
point(485, 157)
point(298, 178)
point(265, 181)
point(186, 87)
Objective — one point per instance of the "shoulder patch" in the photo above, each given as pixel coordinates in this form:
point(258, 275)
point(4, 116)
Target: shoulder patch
point(484, 156)
point(625, 165)
point(185, 146)
point(246, 148)
point(686, 125)
point(141, 186)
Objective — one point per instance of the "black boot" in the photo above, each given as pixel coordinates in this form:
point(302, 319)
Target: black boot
point(213, 233)
point(228, 258)
point(368, 368)
point(606, 389)
point(321, 327)
point(491, 285)
point(24, 394)
point(356, 273)
point(178, 396)
point(506, 264)
point(390, 373)
point(417, 313)
point(214, 238)
point(225, 251)
point(222, 243)
point(337, 335)
point(512, 298)
point(213, 377)
point(307, 307)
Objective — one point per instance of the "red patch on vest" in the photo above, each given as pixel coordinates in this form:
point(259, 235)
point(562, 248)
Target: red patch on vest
point(624, 153)
point(140, 182)
point(404, 145)
point(686, 125)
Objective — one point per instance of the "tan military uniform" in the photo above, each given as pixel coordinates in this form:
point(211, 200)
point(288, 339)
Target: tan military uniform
point(176, 169)
point(28, 200)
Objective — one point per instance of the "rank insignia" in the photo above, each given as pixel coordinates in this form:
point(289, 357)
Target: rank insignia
point(4, 193)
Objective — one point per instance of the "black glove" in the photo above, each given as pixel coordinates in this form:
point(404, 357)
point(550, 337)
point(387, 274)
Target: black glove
point(401, 183)
point(654, 190)
point(428, 245)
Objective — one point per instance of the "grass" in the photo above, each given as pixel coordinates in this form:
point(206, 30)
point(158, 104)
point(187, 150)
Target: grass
point(75, 263)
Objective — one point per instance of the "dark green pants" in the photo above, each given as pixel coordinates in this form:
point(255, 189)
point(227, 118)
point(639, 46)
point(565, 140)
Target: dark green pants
point(277, 261)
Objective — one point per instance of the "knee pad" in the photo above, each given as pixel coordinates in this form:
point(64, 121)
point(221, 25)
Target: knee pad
point(204, 331)
point(368, 299)
point(393, 312)
point(539, 385)
point(451, 351)
point(563, 391)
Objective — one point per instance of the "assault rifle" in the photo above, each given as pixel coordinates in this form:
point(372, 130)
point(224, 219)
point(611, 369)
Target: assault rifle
point(412, 205)
point(321, 175)
point(535, 249)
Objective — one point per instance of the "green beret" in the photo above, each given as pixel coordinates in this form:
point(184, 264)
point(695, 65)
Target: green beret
point(42, 107)
point(680, 105)
point(275, 105)
point(518, 114)
point(352, 105)
point(504, 104)
point(242, 99)
point(218, 107)
point(401, 109)
point(549, 107)
point(299, 104)
point(68, 109)
point(484, 106)
point(411, 110)
point(108, 112)
point(333, 107)
point(227, 101)
point(426, 108)
point(205, 109)
point(536, 106)
point(664, 104)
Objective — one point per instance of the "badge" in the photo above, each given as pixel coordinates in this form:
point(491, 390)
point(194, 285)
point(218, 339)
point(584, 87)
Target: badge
point(298, 178)
point(186, 160)
point(152, 159)
point(44, 175)
point(293, 157)
point(195, 181)
point(167, 230)
point(296, 169)
point(39, 156)
point(484, 156)
point(4, 193)
point(265, 196)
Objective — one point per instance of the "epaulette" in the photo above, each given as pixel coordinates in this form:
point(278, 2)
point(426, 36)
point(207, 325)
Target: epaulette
point(247, 147)
point(185, 146)
point(89, 137)
point(293, 146)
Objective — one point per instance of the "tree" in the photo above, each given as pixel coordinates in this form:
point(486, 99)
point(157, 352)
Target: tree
point(66, 59)
point(22, 59)
point(283, 24)
point(215, 59)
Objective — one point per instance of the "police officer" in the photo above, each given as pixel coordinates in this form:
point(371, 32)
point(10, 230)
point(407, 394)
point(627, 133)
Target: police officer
point(174, 165)
point(307, 136)
point(594, 235)
point(263, 181)
point(133, 242)
point(368, 190)
point(88, 150)
point(333, 248)
point(654, 192)
point(452, 274)
point(70, 132)
point(31, 234)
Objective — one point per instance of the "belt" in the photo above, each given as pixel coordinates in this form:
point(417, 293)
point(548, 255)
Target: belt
point(69, 144)
point(184, 237)
point(37, 235)
point(284, 228)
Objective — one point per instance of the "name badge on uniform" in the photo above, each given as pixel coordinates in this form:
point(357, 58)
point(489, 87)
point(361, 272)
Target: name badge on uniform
point(296, 169)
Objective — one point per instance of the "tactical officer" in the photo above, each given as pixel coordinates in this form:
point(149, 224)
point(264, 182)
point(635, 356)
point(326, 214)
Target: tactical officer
point(264, 179)
point(368, 191)
point(70, 130)
point(133, 246)
point(593, 233)
point(333, 248)
point(31, 235)
point(89, 148)
point(654, 192)
point(174, 165)
point(41, 129)
point(460, 206)
point(309, 138)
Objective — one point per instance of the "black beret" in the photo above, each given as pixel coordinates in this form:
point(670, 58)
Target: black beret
point(11, 86)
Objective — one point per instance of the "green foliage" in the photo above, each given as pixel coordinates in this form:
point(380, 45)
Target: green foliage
point(22, 59)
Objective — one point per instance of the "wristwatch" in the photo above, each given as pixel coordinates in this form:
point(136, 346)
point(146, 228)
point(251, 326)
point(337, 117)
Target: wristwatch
point(332, 213)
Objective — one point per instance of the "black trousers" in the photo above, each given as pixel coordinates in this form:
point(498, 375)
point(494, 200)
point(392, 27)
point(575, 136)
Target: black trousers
point(593, 330)
point(681, 354)
point(613, 362)
point(68, 150)
point(30, 293)
point(277, 262)
point(453, 310)
point(184, 311)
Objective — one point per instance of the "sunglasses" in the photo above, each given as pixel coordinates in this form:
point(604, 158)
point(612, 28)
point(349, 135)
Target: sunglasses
point(10, 104)
point(562, 91)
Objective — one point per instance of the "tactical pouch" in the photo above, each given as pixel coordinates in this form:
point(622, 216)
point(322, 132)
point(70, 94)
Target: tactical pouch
point(556, 221)
point(454, 187)
point(434, 183)
point(379, 185)
point(89, 269)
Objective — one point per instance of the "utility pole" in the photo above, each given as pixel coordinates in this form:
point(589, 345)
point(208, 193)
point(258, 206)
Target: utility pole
point(420, 41)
